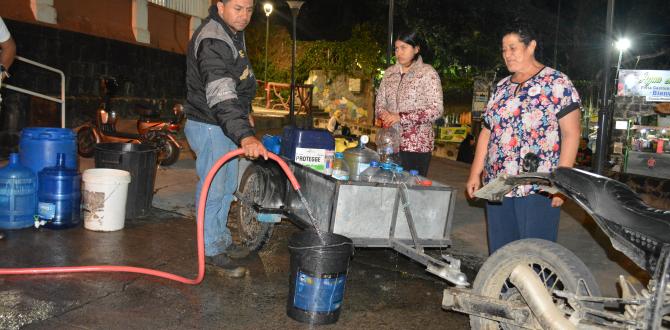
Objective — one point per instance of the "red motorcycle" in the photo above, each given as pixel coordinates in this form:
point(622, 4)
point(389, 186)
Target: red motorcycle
point(151, 128)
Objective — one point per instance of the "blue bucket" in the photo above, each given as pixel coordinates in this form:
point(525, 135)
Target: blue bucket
point(39, 147)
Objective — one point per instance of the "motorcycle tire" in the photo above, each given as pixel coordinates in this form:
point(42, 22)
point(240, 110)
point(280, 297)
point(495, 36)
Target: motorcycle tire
point(86, 142)
point(169, 153)
point(249, 232)
point(554, 264)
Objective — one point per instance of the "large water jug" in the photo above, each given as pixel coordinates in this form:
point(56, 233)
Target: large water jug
point(399, 174)
point(340, 167)
point(370, 172)
point(18, 195)
point(388, 143)
point(59, 195)
point(359, 158)
point(39, 147)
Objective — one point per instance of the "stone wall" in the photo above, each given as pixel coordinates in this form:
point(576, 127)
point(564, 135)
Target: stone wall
point(145, 75)
point(331, 92)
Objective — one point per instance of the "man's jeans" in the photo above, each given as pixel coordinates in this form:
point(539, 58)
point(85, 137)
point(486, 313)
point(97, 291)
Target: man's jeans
point(209, 144)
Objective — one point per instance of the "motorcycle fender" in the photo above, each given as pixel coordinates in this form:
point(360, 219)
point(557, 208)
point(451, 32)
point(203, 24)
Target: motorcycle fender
point(174, 140)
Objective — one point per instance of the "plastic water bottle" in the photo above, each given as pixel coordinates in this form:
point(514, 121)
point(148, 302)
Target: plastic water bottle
point(340, 167)
point(399, 175)
point(388, 142)
point(413, 179)
point(385, 174)
point(329, 158)
point(371, 171)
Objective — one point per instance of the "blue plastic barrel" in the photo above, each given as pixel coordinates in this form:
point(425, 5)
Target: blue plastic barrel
point(18, 195)
point(59, 195)
point(39, 147)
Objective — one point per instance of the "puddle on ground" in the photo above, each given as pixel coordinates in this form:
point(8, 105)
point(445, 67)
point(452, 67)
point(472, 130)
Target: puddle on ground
point(17, 309)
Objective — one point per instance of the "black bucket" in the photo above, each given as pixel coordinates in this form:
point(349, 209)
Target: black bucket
point(318, 276)
point(141, 160)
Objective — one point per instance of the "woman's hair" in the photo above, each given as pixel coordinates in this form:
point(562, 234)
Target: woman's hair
point(413, 39)
point(523, 30)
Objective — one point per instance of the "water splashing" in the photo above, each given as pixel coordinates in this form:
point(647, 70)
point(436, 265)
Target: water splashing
point(312, 219)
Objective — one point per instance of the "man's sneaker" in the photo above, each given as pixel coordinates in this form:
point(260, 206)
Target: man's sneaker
point(236, 252)
point(226, 266)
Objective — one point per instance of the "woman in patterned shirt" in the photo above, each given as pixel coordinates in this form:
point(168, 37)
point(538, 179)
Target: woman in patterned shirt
point(410, 95)
point(531, 111)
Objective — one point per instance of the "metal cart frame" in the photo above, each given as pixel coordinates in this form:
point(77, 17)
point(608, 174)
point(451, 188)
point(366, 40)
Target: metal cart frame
point(404, 218)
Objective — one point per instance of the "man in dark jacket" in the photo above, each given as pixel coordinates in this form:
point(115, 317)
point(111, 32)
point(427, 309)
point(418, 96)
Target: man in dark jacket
point(221, 86)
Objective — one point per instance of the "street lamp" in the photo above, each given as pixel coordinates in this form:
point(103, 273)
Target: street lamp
point(295, 9)
point(622, 45)
point(267, 8)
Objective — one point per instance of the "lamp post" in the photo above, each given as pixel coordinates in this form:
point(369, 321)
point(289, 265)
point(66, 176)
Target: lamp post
point(622, 45)
point(295, 9)
point(267, 8)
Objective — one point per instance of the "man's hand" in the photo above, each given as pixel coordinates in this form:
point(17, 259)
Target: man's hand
point(253, 148)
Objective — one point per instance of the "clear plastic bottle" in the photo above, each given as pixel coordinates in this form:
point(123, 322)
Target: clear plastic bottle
point(340, 167)
point(399, 175)
point(385, 174)
point(369, 172)
point(413, 178)
point(329, 158)
point(388, 142)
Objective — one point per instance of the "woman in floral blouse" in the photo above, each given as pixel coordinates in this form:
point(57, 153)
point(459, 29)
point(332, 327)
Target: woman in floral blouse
point(410, 95)
point(535, 110)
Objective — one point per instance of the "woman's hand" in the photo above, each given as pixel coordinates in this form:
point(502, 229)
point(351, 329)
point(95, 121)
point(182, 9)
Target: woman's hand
point(472, 185)
point(389, 118)
point(557, 200)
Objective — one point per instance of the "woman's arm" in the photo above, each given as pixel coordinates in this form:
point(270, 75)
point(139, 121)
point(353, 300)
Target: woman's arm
point(475, 178)
point(569, 125)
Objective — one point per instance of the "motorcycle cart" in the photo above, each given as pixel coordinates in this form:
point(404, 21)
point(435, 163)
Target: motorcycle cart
point(404, 218)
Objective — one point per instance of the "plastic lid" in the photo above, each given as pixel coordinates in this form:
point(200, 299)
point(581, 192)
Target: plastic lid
point(387, 166)
point(413, 172)
point(399, 169)
point(374, 163)
point(364, 139)
point(339, 155)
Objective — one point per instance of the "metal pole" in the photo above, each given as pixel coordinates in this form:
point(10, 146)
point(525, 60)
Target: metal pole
point(389, 48)
point(616, 77)
point(604, 115)
point(291, 114)
point(267, 37)
point(558, 21)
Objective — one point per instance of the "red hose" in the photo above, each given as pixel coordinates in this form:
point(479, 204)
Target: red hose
point(200, 224)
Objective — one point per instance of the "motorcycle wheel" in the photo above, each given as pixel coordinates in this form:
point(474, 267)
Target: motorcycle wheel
point(557, 267)
point(250, 232)
point(168, 153)
point(86, 142)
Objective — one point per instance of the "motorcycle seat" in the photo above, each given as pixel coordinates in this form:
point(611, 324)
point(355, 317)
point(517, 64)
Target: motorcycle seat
point(615, 202)
point(124, 135)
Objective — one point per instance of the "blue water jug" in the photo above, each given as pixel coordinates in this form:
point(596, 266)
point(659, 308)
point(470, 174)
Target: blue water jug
point(18, 195)
point(39, 147)
point(59, 195)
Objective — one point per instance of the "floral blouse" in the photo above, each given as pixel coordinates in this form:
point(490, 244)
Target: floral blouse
point(417, 97)
point(523, 117)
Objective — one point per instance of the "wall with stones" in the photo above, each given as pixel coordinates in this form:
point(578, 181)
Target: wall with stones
point(331, 92)
point(145, 75)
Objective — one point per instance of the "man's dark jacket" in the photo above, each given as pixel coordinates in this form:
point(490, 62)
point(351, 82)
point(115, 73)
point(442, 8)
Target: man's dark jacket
point(219, 79)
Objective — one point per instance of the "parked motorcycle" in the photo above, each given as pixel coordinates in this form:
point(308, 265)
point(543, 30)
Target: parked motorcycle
point(538, 284)
point(151, 129)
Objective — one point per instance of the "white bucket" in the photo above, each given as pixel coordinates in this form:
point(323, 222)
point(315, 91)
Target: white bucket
point(104, 194)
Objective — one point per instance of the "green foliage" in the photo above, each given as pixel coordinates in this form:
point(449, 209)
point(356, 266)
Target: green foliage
point(358, 56)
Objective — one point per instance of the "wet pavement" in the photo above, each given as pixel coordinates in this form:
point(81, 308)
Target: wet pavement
point(384, 289)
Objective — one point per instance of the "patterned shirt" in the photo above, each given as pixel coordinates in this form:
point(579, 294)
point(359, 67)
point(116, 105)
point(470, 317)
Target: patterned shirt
point(417, 97)
point(523, 117)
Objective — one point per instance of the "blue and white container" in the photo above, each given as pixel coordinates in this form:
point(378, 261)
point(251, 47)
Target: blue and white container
point(39, 147)
point(59, 195)
point(18, 195)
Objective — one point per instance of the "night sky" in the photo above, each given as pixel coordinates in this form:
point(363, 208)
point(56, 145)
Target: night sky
point(579, 43)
